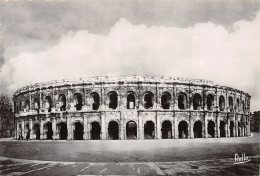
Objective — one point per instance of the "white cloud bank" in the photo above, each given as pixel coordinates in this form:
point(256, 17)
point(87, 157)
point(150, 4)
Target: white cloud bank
point(206, 51)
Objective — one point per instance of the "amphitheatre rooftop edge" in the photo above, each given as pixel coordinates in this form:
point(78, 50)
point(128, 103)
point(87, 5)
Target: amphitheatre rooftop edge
point(121, 79)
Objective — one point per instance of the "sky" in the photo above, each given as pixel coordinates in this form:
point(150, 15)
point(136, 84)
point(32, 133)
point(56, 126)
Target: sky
point(203, 39)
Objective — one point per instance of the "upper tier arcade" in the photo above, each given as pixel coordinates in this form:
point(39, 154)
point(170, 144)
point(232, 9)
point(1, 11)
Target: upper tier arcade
point(134, 92)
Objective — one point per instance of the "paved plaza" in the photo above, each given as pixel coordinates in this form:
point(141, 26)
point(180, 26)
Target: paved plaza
point(130, 157)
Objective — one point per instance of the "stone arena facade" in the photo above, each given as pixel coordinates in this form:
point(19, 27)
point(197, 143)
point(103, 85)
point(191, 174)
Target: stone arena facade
point(133, 107)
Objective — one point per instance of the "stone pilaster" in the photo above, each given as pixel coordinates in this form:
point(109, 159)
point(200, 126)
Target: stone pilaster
point(158, 127)
point(217, 130)
point(191, 134)
point(69, 128)
point(41, 129)
point(85, 121)
point(31, 128)
point(141, 128)
point(205, 126)
point(23, 132)
point(55, 135)
point(228, 127)
point(103, 126)
point(175, 127)
point(236, 127)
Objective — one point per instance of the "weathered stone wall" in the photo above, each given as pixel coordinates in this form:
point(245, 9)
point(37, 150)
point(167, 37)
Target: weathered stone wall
point(237, 114)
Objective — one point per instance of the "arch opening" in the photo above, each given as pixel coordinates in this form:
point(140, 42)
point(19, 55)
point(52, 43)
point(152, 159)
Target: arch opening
point(183, 129)
point(166, 130)
point(36, 130)
point(48, 103)
point(78, 101)
point(230, 104)
point(239, 129)
point(62, 102)
point(196, 101)
point(166, 100)
point(48, 130)
point(130, 101)
point(148, 100)
point(221, 103)
point(36, 104)
point(95, 131)
point(222, 129)
point(211, 129)
point(131, 130)
point(113, 130)
point(231, 128)
point(78, 131)
point(197, 129)
point(182, 101)
point(62, 130)
point(149, 130)
point(113, 98)
point(210, 102)
point(96, 101)
point(27, 105)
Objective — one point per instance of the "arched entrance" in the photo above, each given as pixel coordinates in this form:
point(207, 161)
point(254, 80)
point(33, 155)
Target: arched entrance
point(48, 130)
point(36, 130)
point(62, 129)
point(222, 129)
point(231, 128)
point(239, 129)
point(95, 131)
point(131, 130)
point(113, 131)
point(197, 129)
point(183, 129)
point(78, 131)
point(166, 130)
point(211, 129)
point(149, 130)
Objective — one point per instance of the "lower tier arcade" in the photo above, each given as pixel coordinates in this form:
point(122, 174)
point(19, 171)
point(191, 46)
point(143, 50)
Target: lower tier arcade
point(132, 124)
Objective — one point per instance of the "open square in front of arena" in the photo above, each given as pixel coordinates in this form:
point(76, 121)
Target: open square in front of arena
point(215, 156)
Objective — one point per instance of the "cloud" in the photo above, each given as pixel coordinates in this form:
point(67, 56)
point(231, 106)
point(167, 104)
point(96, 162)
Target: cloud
point(206, 51)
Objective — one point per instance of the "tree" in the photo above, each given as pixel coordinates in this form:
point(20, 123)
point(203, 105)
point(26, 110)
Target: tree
point(6, 116)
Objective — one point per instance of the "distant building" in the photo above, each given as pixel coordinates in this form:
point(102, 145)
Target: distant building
point(255, 122)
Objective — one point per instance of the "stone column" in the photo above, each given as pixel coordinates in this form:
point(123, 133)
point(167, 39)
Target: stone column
point(103, 126)
point(69, 127)
point(158, 127)
point(248, 127)
point(41, 130)
point(228, 127)
point(40, 101)
point(122, 129)
point(205, 126)
point(173, 131)
point(191, 135)
point(175, 127)
point(175, 100)
point(141, 128)
point(17, 129)
point(85, 121)
point(54, 128)
point(23, 133)
point(236, 127)
point(217, 127)
point(30, 96)
point(31, 128)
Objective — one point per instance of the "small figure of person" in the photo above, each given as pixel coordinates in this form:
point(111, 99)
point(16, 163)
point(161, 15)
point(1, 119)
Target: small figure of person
point(19, 138)
point(28, 135)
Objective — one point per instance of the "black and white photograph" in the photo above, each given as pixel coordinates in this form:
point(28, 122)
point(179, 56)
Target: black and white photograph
point(129, 87)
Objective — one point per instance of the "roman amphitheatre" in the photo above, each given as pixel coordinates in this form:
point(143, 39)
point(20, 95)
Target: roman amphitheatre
point(134, 107)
